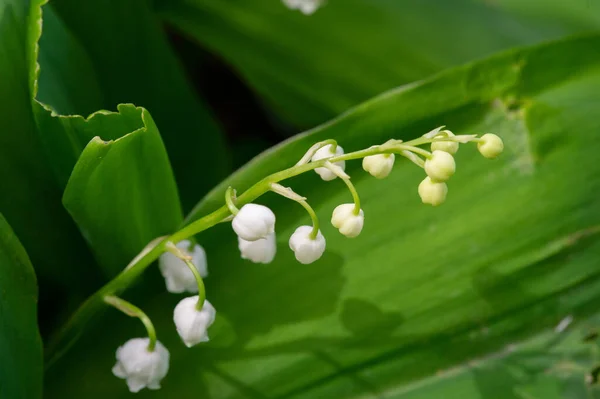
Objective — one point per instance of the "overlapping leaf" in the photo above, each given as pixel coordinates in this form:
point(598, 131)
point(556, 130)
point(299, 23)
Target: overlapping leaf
point(98, 54)
point(20, 342)
point(309, 69)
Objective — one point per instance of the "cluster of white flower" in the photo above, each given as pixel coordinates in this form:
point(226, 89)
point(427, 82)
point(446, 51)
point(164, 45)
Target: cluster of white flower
point(143, 367)
point(255, 224)
point(144, 362)
point(306, 7)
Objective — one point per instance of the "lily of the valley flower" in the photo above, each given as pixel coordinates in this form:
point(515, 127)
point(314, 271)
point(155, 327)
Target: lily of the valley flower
point(490, 145)
point(178, 276)
point(140, 367)
point(192, 324)
point(259, 251)
point(306, 249)
point(254, 222)
point(326, 152)
point(307, 7)
point(450, 147)
point(441, 166)
point(380, 165)
point(433, 193)
point(348, 223)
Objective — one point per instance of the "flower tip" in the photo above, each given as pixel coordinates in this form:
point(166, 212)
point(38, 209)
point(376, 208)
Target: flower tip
point(259, 251)
point(253, 222)
point(490, 145)
point(441, 166)
point(178, 276)
point(140, 367)
point(192, 324)
point(450, 147)
point(379, 166)
point(347, 221)
point(306, 249)
point(432, 193)
point(327, 152)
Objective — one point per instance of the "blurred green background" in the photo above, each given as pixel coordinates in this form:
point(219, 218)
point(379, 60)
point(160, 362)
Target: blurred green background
point(459, 301)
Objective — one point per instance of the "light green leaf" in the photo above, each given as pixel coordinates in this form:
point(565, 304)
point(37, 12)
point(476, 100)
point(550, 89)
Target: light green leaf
point(426, 302)
point(131, 61)
point(122, 193)
point(20, 342)
point(311, 68)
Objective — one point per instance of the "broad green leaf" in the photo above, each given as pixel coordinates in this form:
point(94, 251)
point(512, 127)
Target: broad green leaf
point(426, 302)
point(310, 68)
point(20, 342)
point(122, 193)
point(30, 199)
point(570, 15)
point(98, 54)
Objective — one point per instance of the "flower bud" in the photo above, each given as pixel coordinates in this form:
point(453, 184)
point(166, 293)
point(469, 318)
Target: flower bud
point(326, 153)
point(307, 7)
point(440, 167)
point(254, 222)
point(379, 165)
point(450, 147)
point(140, 367)
point(178, 276)
point(344, 219)
point(431, 192)
point(490, 145)
point(307, 249)
point(192, 324)
point(259, 251)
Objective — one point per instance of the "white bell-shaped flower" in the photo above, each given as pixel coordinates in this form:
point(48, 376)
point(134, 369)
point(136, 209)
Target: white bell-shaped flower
point(178, 276)
point(140, 367)
point(326, 152)
point(344, 219)
point(450, 147)
point(490, 145)
point(433, 193)
point(306, 249)
point(259, 251)
point(380, 165)
point(307, 7)
point(254, 222)
point(192, 324)
point(441, 166)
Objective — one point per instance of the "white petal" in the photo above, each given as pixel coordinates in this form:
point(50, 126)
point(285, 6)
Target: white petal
point(178, 277)
point(135, 385)
point(259, 251)
point(139, 366)
point(118, 370)
point(306, 249)
point(253, 222)
point(325, 153)
point(192, 324)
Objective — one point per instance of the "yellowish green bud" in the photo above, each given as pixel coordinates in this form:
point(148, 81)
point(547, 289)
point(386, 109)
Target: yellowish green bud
point(490, 145)
point(441, 166)
point(450, 147)
point(379, 165)
point(433, 193)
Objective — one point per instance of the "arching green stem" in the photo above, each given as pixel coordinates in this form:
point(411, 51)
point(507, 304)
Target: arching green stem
point(346, 179)
point(289, 193)
point(316, 147)
point(67, 335)
point(229, 201)
point(199, 281)
point(131, 310)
